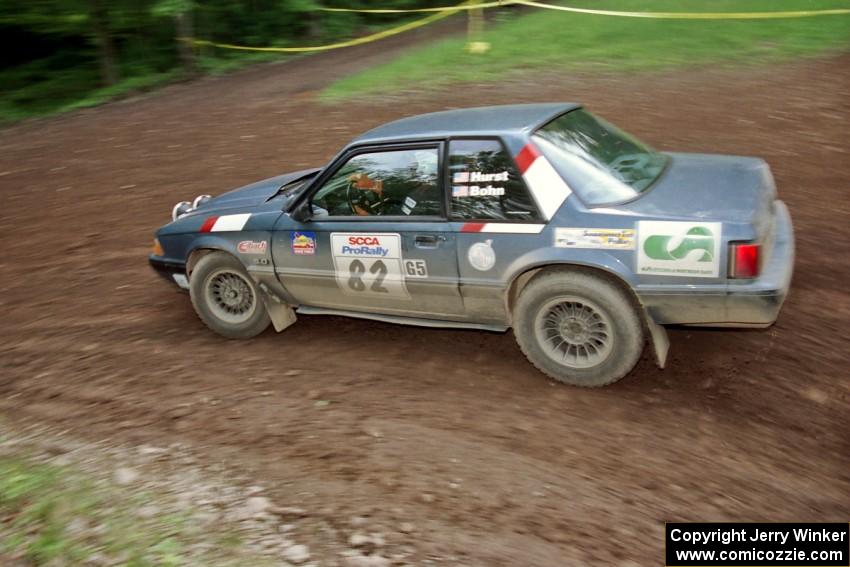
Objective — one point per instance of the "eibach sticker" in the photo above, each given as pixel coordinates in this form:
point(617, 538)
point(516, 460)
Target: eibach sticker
point(252, 247)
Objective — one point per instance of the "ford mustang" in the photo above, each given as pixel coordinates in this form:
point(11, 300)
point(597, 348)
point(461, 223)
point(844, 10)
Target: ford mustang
point(542, 218)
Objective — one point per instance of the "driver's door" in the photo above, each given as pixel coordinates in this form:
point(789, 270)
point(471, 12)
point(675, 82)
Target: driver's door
point(377, 239)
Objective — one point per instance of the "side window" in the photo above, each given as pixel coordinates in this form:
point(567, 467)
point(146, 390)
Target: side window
point(486, 183)
point(396, 182)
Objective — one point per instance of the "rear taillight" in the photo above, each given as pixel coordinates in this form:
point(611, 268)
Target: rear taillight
point(744, 260)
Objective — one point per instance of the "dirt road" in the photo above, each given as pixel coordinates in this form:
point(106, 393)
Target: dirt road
point(450, 430)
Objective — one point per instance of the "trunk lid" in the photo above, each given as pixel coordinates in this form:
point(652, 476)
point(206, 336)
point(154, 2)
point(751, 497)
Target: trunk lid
point(712, 187)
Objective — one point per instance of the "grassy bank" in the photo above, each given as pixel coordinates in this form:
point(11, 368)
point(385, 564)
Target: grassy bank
point(561, 41)
point(57, 515)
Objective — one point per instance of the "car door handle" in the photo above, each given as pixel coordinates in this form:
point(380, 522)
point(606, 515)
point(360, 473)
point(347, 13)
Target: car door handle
point(428, 240)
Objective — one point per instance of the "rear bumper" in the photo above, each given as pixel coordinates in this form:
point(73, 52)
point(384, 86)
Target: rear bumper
point(175, 272)
point(754, 303)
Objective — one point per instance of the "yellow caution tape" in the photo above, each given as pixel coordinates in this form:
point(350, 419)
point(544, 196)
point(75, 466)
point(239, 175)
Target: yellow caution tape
point(660, 15)
point(445, 12)
point(465, 6)
point(440, 13)
point(690, 15)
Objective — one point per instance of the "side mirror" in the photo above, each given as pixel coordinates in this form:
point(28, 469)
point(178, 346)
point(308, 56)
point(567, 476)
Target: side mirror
point(302, 212)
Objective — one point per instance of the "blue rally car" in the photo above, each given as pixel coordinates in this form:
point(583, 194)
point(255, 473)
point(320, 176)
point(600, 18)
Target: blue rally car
point(542, 218)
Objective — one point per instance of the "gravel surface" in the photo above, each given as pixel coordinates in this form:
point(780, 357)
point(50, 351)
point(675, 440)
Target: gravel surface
point(397, 444)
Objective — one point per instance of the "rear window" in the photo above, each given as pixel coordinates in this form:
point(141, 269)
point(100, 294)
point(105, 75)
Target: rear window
point(600, 162)
point(485, 184)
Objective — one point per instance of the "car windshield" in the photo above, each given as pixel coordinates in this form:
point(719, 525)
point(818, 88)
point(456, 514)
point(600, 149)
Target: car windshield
point(601, 163)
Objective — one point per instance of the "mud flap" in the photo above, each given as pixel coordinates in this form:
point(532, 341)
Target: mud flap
point(281, 314)
point(660, 341)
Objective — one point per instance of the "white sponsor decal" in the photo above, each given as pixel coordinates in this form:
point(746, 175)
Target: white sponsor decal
point(369, 264)
point(684, 249)
point(230, 223)
point(547, 185)
point(510, 228)
point(610, 238)
point(481, 255)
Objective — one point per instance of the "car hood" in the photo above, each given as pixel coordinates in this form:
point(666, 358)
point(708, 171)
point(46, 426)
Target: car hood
point(254, 194)
point(716, 187)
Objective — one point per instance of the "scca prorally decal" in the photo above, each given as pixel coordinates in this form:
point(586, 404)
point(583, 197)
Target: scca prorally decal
point(502, 227)
point(369, 264)
point(606, 238)
point(225, 223)
point(684, 249)
point(548, 187)
point(252, 247)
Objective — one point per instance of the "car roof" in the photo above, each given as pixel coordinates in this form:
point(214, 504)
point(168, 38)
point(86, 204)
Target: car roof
point(482, 120)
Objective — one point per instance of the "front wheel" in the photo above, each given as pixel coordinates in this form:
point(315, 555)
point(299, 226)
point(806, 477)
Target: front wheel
point(226, 298)
point(578, 328)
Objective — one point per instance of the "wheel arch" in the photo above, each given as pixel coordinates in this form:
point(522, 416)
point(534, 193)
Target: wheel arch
point(655, 332)
point(203, 248)
point(520, 280)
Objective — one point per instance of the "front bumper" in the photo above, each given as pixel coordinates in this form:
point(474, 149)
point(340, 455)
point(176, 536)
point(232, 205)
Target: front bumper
point(175, 272)
point(754, 303)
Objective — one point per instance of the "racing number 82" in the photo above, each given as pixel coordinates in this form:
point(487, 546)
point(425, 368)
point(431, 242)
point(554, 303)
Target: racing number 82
point(357, 269)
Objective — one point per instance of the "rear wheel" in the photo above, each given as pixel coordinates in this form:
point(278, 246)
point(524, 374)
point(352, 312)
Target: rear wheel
point(226, 298)
point(578, 328)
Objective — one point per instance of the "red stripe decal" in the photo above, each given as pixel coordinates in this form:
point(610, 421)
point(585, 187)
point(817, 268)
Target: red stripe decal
point(208, 224)
point(526, 157)
point(472, 227)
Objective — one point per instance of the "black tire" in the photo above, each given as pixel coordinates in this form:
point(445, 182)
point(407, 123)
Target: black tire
point(563, 313)
point(226, 298)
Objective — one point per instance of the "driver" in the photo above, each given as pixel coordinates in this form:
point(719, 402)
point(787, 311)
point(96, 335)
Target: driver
point(361, 181)
point(413, 193)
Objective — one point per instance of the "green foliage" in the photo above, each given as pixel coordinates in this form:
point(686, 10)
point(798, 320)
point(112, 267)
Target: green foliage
point(52, 61)
point(561, 42)
point(171, 8)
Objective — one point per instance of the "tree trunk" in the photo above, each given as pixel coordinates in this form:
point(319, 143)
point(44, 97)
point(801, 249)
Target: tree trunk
point(185, 33)
point(106, 47)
